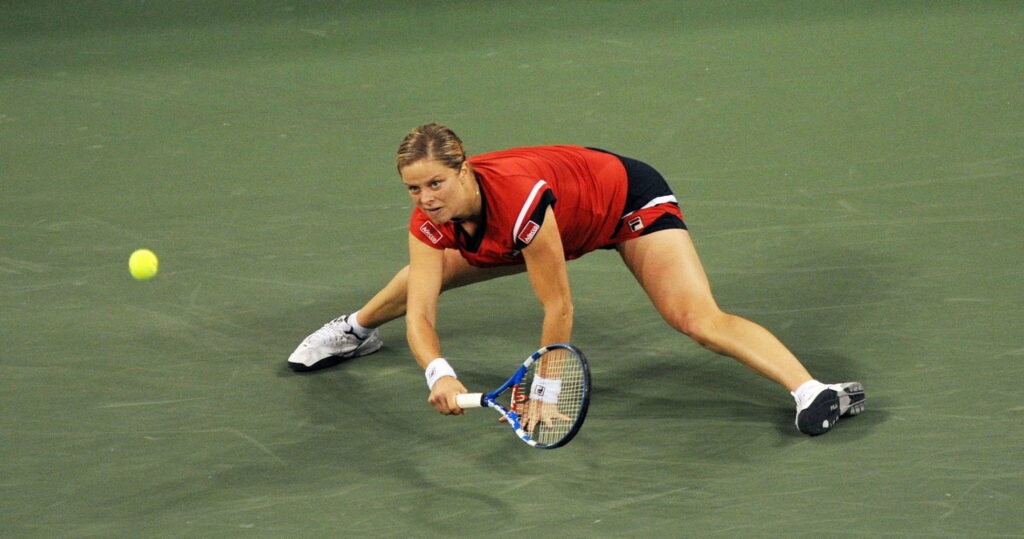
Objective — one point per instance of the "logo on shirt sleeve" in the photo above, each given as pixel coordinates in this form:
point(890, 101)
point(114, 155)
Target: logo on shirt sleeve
point(431, 232)
point(528, 231)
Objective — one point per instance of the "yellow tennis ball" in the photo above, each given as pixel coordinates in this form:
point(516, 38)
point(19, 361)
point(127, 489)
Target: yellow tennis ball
point(143, 264)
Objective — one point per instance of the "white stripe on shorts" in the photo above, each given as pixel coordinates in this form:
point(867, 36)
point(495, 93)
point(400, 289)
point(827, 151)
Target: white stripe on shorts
point(654, 202)
point(660, 200)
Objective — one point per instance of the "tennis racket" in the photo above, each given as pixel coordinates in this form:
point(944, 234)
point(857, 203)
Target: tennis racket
point(546, 400)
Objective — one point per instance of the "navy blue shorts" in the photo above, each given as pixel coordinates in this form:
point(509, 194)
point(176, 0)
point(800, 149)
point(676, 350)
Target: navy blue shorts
point(650, 204)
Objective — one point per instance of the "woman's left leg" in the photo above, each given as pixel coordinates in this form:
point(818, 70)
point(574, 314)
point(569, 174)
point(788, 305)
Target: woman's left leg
point(667, 267)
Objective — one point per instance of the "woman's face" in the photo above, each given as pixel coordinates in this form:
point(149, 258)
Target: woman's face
point(442, 193)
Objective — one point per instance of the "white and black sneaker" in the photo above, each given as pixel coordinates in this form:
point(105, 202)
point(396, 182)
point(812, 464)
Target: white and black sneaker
point(835, 401)
point(331, 344)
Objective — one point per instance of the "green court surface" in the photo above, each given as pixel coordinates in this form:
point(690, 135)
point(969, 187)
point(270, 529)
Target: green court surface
point(852, 173)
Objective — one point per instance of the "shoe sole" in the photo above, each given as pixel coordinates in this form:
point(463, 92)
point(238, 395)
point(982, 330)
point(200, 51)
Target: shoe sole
point(324, 363)
point(851, 399)
point(821, 415)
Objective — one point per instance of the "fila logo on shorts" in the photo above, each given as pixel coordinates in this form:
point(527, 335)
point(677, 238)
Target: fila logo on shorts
point(653, 210)
point(636, 224)
point(431, 232)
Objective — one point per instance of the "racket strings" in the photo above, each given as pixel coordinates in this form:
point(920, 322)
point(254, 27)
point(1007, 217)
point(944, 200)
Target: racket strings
point(558, 419)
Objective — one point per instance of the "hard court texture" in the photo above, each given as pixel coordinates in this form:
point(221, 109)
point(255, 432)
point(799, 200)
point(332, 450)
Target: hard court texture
point(852, 174)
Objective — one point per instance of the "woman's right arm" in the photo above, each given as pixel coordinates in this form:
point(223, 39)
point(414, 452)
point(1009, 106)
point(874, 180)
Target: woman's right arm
point(426, 272)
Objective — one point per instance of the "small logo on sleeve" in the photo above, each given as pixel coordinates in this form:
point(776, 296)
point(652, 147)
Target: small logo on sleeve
point(431, 232)
point(528, 232)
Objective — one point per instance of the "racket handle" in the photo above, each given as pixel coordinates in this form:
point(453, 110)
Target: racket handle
point(470, 400)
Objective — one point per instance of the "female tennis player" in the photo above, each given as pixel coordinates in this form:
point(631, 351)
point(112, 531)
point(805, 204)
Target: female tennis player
point(532, 209)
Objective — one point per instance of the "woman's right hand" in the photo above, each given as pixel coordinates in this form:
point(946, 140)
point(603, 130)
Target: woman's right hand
point(442, 396)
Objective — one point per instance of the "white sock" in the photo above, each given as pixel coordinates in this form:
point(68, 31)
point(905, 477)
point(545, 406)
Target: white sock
point(805, 394)
point(357, 328)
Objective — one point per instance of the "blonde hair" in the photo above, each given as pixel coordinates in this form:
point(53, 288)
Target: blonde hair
point(431, 141)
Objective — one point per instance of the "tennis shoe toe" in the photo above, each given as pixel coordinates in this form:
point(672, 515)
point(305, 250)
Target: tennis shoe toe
point(851, 398)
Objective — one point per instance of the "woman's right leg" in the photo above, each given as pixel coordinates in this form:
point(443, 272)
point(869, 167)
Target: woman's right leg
point(351, 336)
point(389, 303)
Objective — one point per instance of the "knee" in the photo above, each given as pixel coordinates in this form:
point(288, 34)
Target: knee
point(704, 327)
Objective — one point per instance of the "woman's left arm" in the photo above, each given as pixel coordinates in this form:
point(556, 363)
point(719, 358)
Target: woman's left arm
point(546, 266)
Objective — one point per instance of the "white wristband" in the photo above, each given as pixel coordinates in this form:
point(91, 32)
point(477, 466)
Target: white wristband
point(437, 369)
point(545, 390)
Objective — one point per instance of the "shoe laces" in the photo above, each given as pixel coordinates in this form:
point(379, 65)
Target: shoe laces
point(334, 331)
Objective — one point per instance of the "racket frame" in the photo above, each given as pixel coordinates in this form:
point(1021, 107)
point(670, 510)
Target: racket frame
point(490, 399)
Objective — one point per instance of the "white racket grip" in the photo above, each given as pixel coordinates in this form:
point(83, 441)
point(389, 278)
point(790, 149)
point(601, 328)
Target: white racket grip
point(469, 400)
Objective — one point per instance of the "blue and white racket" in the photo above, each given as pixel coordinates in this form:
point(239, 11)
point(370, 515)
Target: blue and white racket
point(545, 401)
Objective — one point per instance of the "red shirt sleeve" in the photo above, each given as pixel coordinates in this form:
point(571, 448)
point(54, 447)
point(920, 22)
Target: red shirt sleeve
point(436, 236)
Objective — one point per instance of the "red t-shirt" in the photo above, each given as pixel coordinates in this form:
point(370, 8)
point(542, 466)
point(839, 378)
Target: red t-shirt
point(587, 189)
